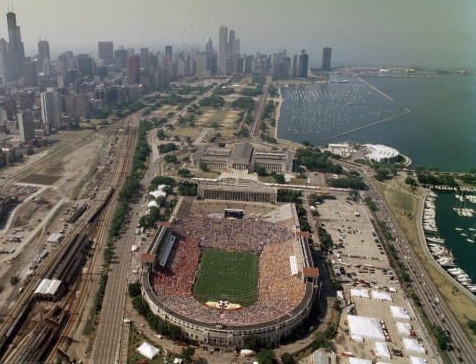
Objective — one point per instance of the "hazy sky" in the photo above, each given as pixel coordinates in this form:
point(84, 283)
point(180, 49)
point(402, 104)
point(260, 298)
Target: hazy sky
point(438, 33)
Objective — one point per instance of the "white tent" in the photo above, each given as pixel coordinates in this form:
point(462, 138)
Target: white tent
point(404, 328)
point(246, 352)
point(361, 293)
point(359, 361)
point(148, 350)
point(54, 238)
point(399, 313)
point(159, 191)
point(381, 362)
point(381, 350)
point(380, 295)
point(361, 327)
point(416, 360)
point(152, 204)
point(413, 346)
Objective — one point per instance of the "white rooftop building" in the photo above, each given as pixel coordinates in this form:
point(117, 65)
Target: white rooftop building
point(381, 153)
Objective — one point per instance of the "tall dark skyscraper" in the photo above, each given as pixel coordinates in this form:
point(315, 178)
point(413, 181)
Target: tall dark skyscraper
point(303, 64)
point(16, 52)
point(43, 55)
point(106, 51)
point(168, 52)
point(133, 65)
point(326, 59)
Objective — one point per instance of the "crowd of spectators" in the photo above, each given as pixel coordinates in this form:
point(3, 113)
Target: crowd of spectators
point(279, 292)
point(249, 234)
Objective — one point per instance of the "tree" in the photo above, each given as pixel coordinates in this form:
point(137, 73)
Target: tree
point(265, 356)
point(184, 172)
point(287, 358)
point(188, 352)
point(171, 158)
point(279, 178)
point(14, 280)
point(411, 181)
point(204, 166)
point(134, 289)
point(261, 171)
point(382, 174)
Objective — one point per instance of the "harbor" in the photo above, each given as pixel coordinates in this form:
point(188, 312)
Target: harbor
point(446, 228)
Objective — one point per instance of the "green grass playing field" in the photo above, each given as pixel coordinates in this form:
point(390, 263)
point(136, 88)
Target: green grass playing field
point(226, 275)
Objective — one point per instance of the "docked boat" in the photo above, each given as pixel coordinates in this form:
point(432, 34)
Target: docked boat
point(435, 239)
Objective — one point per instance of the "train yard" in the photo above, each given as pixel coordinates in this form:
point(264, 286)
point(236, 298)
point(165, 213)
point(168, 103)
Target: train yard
point(45, 316)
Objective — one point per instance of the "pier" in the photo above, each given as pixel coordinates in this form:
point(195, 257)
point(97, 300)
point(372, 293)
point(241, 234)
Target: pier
point(376, 89)
point(406, 111)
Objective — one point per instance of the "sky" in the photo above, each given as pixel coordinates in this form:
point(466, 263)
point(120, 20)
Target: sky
point(419, 33)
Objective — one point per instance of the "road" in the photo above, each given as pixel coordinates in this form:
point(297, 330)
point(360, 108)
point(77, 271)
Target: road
point(431, 300)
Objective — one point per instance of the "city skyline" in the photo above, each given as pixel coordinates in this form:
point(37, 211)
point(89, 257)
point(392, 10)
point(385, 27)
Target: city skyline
point(396, 33)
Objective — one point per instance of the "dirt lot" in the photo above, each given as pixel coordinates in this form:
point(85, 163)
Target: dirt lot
point(31, 222)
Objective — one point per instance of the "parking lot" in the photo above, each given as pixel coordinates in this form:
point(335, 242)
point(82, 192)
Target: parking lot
point(370, 287)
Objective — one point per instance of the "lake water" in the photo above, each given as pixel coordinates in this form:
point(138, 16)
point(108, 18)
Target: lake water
point(439, 131)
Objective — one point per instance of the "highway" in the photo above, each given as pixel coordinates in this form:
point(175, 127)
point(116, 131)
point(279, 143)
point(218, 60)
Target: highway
point(430, 298)
point(109, 329)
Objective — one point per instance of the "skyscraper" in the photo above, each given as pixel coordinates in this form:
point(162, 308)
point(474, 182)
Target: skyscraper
point(133, 65)
point(16, 52)
point(50, 112)
point(168, 53)
point(43, 56)
point(222, 50)
point(4, 60)
point(231, 41)
point(303, 64)
point(209, 52)
point(106, 51)
point(26, 126)
point(326, 59)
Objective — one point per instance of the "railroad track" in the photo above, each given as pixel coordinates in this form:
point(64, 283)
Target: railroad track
point(100, 231)
point(71, 302)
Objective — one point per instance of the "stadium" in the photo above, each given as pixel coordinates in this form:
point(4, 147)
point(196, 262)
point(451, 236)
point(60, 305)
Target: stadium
point(227, 270)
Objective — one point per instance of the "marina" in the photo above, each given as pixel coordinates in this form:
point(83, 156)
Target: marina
point(441, 242)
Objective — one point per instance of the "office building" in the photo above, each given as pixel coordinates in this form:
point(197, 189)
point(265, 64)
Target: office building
point(168, 53)
point(209, 52)
point(231, 41)
point(16, 52)
point(4, 60)
point(326, 59)
point(26, 126)
point(295, 66)
point(303, 64)
point(43, 55)
point(120, 58)
point(201, 70)
point(50, 111)
point(85, 65)
point(133, 67)
point(106, 51)
point(222, 50)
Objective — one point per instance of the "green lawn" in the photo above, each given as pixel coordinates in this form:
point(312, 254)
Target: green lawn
point(231, 276)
